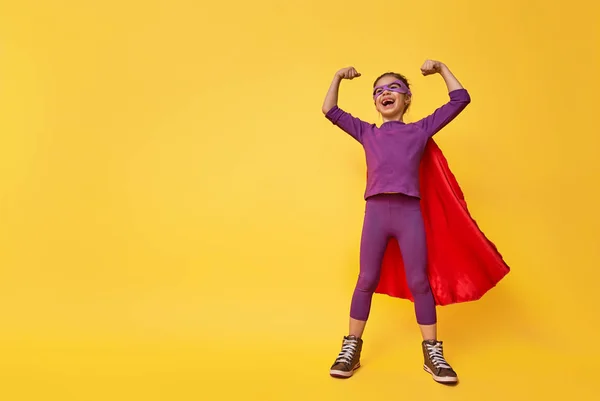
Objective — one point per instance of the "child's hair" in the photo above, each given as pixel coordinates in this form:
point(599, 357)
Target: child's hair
point(397, 76)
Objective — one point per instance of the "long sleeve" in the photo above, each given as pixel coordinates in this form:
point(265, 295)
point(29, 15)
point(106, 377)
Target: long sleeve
point(433, 123)
point(353, 126)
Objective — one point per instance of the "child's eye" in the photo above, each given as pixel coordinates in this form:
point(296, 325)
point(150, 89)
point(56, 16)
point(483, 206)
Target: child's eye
point(394, 86)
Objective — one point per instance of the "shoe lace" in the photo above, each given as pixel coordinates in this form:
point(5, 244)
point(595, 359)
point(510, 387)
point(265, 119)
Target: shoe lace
point(348, 350)
point(436, 354)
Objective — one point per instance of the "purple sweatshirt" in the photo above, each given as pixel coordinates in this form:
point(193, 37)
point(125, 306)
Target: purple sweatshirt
point(393, 150)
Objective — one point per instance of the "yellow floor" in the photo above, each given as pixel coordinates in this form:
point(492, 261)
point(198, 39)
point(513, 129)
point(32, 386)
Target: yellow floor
point(284, 363)
point(186, 372)
point(179, 222)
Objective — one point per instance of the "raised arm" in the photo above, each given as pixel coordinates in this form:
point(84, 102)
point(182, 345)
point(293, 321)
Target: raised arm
point(459, 99)
point(435, 67)
point(331, 99)
point(348, 123)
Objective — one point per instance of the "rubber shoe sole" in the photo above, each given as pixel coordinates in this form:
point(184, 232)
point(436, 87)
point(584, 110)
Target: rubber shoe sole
point(441, 379)
point(340, 374)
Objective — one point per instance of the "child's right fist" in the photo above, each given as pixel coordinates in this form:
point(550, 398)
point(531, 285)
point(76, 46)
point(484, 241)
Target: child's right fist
point(348, 73)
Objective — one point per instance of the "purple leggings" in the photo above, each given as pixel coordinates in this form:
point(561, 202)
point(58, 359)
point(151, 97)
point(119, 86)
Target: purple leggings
point(398, 216)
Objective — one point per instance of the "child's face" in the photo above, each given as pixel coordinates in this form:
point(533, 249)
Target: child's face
point(388, 101)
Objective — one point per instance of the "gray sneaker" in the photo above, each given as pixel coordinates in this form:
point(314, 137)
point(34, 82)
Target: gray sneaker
point(436, 365)
point(348, 360)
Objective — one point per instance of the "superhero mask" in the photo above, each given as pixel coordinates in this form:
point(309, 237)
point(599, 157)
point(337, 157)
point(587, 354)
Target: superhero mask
point(396, 86)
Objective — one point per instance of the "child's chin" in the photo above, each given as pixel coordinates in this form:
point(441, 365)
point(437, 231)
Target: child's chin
point(390, 113)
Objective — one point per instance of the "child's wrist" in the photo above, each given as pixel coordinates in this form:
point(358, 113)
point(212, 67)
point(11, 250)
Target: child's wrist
point(444, 68)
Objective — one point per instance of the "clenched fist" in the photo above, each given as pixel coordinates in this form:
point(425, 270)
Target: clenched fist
point(348, 73)
point(431, 67)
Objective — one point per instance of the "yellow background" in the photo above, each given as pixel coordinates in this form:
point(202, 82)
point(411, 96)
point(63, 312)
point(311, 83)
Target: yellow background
point(178, 221)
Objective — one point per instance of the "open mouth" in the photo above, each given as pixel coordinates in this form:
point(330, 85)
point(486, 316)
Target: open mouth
point(387, 102)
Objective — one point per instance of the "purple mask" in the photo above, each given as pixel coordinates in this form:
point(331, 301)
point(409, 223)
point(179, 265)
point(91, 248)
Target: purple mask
point(396, 86)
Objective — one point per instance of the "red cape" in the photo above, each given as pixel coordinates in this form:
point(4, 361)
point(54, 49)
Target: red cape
point(462, 263)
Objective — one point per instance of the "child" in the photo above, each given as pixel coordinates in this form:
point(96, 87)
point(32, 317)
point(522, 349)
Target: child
point(399, 255)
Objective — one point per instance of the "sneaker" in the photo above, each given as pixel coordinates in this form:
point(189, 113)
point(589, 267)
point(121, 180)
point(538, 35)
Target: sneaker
point(348, 360)
point(436, 365)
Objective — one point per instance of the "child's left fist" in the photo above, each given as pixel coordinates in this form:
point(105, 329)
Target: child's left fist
point(431, 67)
